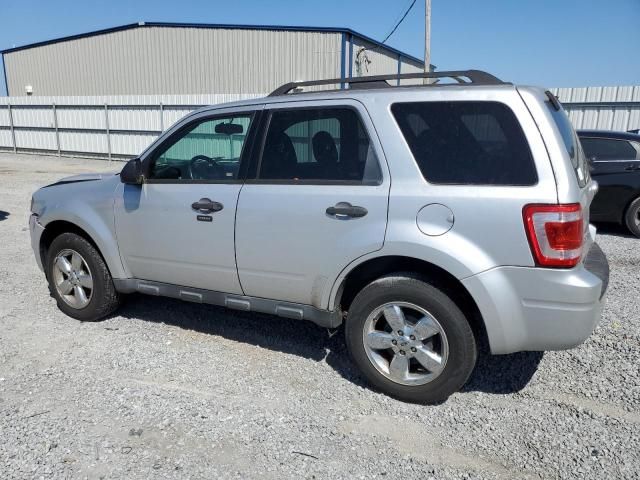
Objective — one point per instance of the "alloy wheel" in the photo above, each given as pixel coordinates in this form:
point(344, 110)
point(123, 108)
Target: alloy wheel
point(72, 278)
point(405, 343)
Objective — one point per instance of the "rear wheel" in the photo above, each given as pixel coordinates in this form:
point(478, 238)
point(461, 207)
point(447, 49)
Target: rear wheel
point(632, 217)
point(79, 279)
point(410, 340)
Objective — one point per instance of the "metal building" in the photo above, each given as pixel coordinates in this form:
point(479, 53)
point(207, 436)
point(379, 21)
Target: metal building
point(176, 58)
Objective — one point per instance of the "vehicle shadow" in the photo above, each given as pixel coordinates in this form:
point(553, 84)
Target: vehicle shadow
point(3, 215)
point(613, 229)
point(493, 374)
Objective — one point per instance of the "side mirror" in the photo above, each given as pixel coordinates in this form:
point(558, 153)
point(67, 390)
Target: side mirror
point(131, 174)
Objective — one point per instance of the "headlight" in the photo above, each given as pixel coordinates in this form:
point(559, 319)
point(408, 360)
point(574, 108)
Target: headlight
point(31, 206)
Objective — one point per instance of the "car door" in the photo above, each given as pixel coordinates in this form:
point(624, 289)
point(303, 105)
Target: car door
point(316, 201)
point(178, 226)
point(615, 165)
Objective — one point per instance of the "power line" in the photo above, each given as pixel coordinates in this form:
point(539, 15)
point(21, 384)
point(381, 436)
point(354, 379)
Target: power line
point(362, 51)
point(393, 30)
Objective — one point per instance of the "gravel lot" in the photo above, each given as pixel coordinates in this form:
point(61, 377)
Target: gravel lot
point(168, 389)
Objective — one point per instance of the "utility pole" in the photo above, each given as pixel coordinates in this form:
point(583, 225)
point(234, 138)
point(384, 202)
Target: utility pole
point(427, 38)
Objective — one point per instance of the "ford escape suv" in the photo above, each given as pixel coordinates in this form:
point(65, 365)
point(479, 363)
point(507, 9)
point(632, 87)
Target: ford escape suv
point(426, 218)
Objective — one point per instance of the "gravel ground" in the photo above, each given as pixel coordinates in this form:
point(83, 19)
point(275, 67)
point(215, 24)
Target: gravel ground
point(168, 389)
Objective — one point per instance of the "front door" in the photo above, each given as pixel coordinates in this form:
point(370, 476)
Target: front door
point(318, 201)
point(178, 227)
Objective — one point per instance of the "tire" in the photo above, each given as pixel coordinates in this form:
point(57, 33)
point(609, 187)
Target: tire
point(632, 217)
point(84, 268)
point(454, 343)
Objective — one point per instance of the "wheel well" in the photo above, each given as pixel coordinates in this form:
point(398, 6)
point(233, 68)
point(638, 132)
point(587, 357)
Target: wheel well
point(56, 228)
point(635, 197)
point(373, 269)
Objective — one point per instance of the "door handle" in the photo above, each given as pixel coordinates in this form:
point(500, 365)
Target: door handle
point(206, 205)
point(346, 210)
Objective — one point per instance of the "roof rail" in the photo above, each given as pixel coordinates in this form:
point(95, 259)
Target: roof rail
point(473, 77)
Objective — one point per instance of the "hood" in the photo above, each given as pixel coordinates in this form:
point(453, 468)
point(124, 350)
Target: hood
point(83, 177)
point(78, 189)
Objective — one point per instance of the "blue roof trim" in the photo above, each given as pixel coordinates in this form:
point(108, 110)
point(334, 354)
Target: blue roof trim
point(4, 70)
point(220, 26)
point(350, 56)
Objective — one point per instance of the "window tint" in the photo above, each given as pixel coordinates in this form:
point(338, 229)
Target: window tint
point(478, 143)
point(607, 149)
point(571, 143)
point(208, 150)
point(328, 144)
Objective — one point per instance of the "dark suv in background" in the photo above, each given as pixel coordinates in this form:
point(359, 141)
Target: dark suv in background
point(615, 165)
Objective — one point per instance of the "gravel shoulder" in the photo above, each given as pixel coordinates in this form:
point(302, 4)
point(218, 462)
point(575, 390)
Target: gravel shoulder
point(167, 389)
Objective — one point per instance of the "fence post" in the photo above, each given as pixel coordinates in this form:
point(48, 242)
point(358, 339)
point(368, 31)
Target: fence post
point(13, 133)
point(161, 117)
point(55, 124)
point(106, 124)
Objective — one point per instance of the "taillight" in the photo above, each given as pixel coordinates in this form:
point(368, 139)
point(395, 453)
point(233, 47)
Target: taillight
point(555, 234)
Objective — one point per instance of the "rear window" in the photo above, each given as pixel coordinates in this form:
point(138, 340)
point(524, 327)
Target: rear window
point(571, 143)
point(470, 143)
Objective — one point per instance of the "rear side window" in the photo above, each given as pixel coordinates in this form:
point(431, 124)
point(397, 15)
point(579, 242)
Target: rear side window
point(469, 143)
point(603, 149)
point(318, 145)
point(571, 143)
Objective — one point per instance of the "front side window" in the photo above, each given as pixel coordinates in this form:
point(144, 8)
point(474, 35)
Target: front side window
point(318, 144)
point(604, 149)
point(207, 150)
point(467, 143)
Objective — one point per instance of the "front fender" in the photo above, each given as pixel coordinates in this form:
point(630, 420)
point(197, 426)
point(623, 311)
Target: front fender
point(89, 206)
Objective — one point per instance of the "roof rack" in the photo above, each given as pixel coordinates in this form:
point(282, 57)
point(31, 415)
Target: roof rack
point(473, 77)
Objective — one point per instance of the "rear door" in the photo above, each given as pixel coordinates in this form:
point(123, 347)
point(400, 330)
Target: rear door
point(615, 165)
point(317, 201)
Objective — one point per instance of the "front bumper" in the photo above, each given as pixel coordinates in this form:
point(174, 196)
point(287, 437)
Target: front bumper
point(538, 309)
point(36, 230)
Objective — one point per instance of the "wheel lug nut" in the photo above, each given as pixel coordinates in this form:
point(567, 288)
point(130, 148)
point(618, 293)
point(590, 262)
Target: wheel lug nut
point(394, 342)
point(413, 349)
point(401, 352)
point(412, 337)
point(400, 332)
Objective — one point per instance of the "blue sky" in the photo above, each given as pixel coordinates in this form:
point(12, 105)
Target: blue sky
point(541, 42)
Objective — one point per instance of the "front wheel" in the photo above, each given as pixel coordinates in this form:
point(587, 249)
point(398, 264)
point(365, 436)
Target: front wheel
point(79, 279)
point(632, 217)
point(410, 340)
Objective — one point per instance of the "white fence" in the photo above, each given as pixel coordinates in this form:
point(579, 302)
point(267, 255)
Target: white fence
point(122, 126)
point(106, 127)
point(602, 108)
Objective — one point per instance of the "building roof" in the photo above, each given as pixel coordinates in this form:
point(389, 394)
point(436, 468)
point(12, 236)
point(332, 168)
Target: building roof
point(129, 26)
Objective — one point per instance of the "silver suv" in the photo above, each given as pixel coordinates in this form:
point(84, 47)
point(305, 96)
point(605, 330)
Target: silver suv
point(427, 218)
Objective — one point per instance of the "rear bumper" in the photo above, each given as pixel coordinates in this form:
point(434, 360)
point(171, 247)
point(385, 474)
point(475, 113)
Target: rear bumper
point(36, 230)
point(541, 308)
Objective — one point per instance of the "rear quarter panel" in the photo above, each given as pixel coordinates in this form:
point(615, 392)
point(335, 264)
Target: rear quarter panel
point(568, 188)
point(488, 229)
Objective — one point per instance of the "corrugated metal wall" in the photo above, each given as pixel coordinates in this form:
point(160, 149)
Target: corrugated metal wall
point(117, 127)
point(602, 108)
point(380, 61)
point(373, 60)
point(168, 60)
